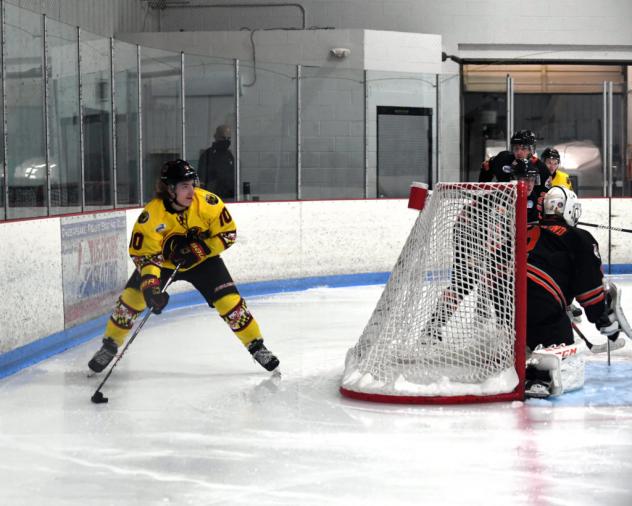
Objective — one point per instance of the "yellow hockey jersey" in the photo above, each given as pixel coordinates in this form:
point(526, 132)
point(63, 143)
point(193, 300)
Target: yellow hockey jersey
point(560, 178)
point(156, 225)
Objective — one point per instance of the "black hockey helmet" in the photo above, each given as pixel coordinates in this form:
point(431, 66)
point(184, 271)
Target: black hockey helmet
point(522, 169)
point(523, 138)
point(176, 171)
point(550, 153)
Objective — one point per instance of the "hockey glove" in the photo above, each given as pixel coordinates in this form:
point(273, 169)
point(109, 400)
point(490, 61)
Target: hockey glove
point(189, 250)
point(155, 299)
point(608, 325)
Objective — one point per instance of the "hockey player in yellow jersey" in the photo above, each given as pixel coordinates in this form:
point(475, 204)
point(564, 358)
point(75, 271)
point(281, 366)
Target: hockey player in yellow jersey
point(551, 158)
point(187, 226)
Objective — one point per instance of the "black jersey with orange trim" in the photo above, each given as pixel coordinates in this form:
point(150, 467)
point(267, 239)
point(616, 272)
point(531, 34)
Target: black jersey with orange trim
point(563, 264)
point(501, 168)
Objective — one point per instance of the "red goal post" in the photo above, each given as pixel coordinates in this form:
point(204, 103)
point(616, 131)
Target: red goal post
point(450, 324)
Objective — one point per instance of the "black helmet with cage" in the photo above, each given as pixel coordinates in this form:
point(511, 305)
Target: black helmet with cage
point(551, 153)
point(523, 138)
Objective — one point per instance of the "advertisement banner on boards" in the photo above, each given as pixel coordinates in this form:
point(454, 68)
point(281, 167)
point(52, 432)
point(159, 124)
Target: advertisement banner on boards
point(94, 264)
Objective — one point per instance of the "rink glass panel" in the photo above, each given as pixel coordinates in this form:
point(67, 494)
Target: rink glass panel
point(161, 105)
point(332, 136)
point(268, 127)
point(97, 121)
point(390, 175)
point(125, 61)
point(24, 99)
point(63, 118)
point(209, 87)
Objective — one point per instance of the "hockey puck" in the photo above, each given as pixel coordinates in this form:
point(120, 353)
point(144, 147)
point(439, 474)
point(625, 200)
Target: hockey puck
point(98, 398)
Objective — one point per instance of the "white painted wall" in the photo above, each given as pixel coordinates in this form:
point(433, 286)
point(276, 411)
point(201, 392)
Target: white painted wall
point(368, 49)
point(104, 17)
point(550, 26)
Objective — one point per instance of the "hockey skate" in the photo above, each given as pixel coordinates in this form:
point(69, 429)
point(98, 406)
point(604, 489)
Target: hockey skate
point(536, 389)
point(263, 355)
point(104, 356)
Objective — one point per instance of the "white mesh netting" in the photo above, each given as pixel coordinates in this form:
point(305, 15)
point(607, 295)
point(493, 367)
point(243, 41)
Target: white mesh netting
point(444, 325)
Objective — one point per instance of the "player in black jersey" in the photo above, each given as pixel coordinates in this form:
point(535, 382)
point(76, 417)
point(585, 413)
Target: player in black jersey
point(563, 264)
point(502, 166)
point(523, 171)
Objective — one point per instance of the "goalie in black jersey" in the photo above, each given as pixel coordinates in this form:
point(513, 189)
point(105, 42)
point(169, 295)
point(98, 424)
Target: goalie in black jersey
point(563, 264)
point(186, 226)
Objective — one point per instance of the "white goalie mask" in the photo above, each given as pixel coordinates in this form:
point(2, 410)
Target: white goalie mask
point(562, 202)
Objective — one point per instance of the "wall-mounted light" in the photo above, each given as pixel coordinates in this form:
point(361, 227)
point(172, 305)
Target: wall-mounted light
point(340, 52)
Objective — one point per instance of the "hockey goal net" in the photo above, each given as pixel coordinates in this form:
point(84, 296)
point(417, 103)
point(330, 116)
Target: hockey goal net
point(449, 326)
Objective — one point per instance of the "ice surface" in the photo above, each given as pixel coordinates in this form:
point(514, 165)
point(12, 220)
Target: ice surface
point(192, 420)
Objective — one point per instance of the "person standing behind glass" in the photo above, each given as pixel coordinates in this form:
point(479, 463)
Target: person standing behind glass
point(217, 165)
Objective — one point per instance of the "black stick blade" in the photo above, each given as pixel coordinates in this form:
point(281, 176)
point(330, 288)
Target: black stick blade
point(98, 398)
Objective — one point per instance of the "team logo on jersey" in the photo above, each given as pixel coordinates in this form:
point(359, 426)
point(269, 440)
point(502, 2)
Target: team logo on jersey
point(144, 217)
point(507, 169)
point(212, 199)
point(160, 227)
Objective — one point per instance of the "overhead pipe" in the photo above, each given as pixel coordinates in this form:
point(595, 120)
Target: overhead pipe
point(188, 5)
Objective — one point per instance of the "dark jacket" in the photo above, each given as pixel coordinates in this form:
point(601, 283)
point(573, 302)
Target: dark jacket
point(216, 170)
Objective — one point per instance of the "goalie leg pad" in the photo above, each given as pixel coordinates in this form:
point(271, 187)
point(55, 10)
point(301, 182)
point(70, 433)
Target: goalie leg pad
point(564, 363)
point(615, 304)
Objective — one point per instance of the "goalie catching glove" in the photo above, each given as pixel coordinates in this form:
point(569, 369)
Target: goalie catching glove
point(188, 250)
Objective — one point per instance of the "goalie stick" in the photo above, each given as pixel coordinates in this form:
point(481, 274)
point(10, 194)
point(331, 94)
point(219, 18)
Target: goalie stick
point(615, 294)
point(598, 348)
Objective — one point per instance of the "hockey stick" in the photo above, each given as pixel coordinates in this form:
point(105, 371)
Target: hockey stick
point(605, 227)
point(97, 396)
point(599, 348)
